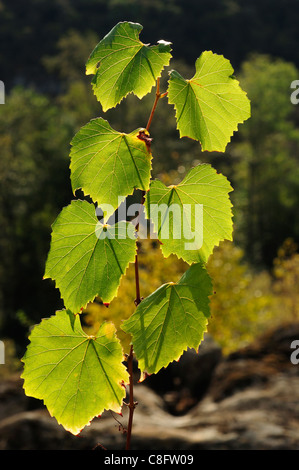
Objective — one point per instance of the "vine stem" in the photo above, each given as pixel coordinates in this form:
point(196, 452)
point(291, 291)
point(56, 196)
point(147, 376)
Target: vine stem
point(158, 96)
point(132, 404)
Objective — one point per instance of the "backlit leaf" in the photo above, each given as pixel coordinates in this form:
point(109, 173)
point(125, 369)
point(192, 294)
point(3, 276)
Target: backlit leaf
point(191, 218)
point(122, 64)
point(108, 165)
point(87, 259)
point(210, 106)
point(170, 320)
point(76, 375)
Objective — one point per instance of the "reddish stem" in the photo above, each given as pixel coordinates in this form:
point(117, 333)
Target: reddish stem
point(158, 96)
point(132, 404)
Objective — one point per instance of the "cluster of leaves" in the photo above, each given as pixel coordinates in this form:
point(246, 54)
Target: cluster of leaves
point(79, 375)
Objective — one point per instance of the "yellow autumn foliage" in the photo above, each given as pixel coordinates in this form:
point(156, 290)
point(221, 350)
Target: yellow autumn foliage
point(244, 304)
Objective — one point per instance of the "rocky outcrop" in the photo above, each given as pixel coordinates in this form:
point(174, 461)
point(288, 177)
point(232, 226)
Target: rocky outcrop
point(248, 400)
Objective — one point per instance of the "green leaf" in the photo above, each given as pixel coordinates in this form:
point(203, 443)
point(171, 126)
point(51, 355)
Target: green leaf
point(170, 320)
point(210, 106)
point(122, 64)
point(109, 165)
point(88, 259)
point(76, 375)
point(191, 218)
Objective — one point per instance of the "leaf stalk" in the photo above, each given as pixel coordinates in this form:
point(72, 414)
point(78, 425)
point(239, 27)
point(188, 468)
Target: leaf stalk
point(158, 96)
point(132, 404)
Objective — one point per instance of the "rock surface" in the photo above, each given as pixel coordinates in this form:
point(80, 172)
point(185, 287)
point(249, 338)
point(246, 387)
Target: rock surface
point(249, 400)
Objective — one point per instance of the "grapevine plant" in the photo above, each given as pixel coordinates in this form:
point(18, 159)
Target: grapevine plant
point(79, 375)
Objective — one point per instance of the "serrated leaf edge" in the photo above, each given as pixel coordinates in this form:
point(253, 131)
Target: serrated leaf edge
point(85, 192)
point(144, 372)
point(219, 241)
point(46, 276)
point(74, 430)
point(140, 95)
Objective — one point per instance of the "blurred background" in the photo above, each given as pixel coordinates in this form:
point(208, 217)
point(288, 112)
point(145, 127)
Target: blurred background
point(44, 47)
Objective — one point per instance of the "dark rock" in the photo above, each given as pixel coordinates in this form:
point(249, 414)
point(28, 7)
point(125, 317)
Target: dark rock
point(13, 399)
point(184, 383)
point(257, 363)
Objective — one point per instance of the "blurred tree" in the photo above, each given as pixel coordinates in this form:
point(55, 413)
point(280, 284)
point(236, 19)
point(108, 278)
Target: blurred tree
point(34, 185)
point(243, 305)
point(73, 50)
point(286, 280)
point(265, 161)
point(30, 30)
point(76, 99)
